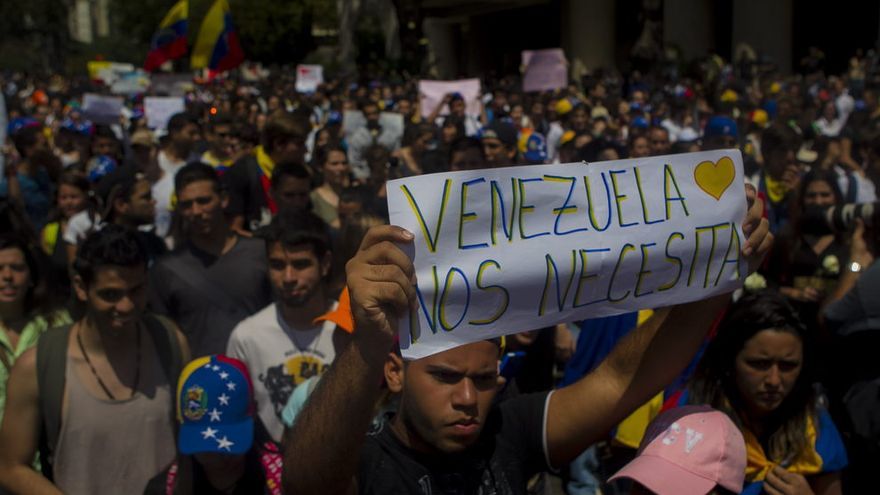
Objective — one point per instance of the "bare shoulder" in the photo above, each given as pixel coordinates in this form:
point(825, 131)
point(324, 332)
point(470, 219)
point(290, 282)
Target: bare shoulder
point(24, 373)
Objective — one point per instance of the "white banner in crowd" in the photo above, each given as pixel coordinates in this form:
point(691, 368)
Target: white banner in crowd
point(431, 95)
point(544, 70)
point(102, 109)
point(158, 109)
point(308, 77)
point(508, 250)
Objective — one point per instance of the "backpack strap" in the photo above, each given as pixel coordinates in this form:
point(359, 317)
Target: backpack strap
point(51, 375)
point(167, 346)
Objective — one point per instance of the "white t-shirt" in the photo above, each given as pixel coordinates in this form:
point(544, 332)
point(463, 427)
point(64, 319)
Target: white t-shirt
point(162, 192)
point(79, 226)
point(278, 359)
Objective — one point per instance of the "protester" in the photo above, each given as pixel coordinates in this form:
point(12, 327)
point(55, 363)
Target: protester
point(249, 180)
point(446, 432)
point(127, 200)
point(93, 389)
point(73, 196)
point(26, 307)
point(216, 277)
point(335, 176)
point(282, 344)
point(183, 132)
point(759, 369)
point(217, 450)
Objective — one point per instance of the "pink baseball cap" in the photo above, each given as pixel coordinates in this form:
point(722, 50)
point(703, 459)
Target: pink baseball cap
point(689, 450)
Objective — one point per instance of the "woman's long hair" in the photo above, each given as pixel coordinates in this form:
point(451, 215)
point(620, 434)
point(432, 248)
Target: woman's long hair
point(37, 300)
point(714, 381)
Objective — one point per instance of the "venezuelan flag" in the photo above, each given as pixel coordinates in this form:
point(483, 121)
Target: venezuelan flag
point(169, 42)
point(217, 46)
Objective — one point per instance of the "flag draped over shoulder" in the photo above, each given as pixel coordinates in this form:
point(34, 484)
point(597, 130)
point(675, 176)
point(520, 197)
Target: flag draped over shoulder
point(217, 46)
point(169, 42)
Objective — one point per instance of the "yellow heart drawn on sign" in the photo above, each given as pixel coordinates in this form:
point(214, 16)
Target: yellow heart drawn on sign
point(715, 178)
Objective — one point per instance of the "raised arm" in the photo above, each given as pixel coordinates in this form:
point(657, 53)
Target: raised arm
point(642, 363)
point(20, 432)
point(323, 447)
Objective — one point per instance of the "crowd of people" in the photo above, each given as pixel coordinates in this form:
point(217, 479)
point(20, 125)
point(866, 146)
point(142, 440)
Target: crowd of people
point(210, 307)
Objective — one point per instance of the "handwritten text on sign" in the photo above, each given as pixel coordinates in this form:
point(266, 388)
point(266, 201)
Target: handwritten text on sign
point(507, 250)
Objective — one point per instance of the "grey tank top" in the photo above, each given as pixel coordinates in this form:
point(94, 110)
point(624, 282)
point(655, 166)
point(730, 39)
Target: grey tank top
point(114, 447)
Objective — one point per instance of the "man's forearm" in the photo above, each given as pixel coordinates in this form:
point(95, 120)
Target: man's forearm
point(25, 481)
point(652, 356)
point(323, 447)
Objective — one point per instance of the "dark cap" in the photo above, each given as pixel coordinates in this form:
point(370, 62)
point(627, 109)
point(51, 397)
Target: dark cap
point(501, 131)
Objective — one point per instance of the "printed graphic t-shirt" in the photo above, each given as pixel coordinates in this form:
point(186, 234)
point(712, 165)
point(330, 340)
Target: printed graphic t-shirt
point(279, 358)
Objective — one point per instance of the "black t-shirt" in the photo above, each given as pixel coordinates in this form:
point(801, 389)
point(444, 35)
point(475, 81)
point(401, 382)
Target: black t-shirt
point(509, 452)
point(247, 197)
point(208, 295)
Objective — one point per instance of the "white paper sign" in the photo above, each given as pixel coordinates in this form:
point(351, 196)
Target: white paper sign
point(544, 70)
point(513, 249)
point(431, 95)
point(102, 109)
point(308, 77)
point(158, 109)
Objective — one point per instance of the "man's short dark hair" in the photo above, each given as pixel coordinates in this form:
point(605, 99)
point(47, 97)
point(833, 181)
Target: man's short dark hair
point(464, 143)
point(25, 138)
point(179, 121)
point(355, 194)
point(779, 137)
point(288, 169)
point(195, 172)
point(112, 245)
point(297, 230)
point(104, 131)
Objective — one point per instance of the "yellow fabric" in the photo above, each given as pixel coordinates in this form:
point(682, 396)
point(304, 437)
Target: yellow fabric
point(211, 30)
point(644, 315)
point(631, 430)
point(210, 159)
point(264, 161)
point(177, 13)
point(775, 189)
point(806, 463)
point(50, 237)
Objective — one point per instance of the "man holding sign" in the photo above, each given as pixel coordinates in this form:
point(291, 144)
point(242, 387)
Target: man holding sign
point(447, 435)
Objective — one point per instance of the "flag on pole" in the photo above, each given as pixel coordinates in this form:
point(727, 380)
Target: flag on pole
point(169, 42)
point(217, 46)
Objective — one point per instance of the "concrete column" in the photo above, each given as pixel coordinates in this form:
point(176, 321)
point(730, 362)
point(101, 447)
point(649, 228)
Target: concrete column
point(767, 27)
point(689, 25)
point(588, 32)
point(441, 42)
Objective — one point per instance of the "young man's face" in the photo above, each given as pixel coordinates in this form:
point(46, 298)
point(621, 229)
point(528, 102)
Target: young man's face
point(141, 207)
point(186, 138)
point(497, 154)
point(470, 158)
point(446, 397)
point(201, 207)
point(659, 142)
point(296, 273)
point(223, 141)
point(292, 194)
point(104, 146)
point(116, 297)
